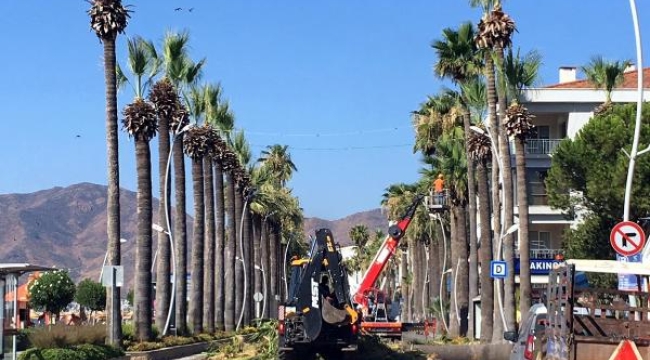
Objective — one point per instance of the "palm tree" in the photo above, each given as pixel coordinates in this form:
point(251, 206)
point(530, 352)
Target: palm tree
point(278, 159)
point(242, 150)
point(605, 74)
point(211, 97)
point(458, 60)
point(519, 127)
point(262, 181)
point(197, 144)
point(359, 235)
point(184, 73)
point(453, 163)
point(165, 96)
point(495, 31)
point(521, 72)
point(108, 18)
point(221, 118)
point(180, 119)
point(481, 150)
point(141, 123)
point(229, 162)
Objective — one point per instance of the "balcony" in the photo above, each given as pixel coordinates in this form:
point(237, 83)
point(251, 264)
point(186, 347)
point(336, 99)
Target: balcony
point(538, 146)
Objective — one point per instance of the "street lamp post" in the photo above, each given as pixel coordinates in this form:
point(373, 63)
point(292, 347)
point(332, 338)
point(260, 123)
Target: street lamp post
point(159, 228)
point(258, 267)
point(284, 268)
point(101, 273)
point(243, 305)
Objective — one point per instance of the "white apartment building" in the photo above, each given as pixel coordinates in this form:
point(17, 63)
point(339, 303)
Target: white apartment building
point(560, 111)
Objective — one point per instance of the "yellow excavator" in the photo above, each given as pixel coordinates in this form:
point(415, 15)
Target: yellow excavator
point(318, 315)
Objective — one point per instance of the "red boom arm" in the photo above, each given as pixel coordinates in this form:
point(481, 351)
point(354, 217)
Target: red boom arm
point(386, 251)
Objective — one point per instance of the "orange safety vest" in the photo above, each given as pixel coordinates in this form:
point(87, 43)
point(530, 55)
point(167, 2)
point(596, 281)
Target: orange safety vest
point(438, 185)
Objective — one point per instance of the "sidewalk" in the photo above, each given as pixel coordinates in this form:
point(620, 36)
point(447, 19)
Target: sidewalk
point(201, 356)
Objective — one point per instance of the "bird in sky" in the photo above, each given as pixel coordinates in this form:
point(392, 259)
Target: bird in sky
point(178, 9)
point(78, 136)
point(190, 9)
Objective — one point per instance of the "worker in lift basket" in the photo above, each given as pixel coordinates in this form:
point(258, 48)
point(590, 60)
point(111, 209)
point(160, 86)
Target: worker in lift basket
point(439, 190)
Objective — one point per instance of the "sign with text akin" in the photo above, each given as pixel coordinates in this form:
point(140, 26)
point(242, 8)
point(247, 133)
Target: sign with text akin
point(537, 266)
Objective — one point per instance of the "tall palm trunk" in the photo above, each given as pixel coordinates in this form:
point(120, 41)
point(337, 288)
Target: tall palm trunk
point(444, 258)
point(508, 206)
point(180, 236)
point(410, 311)
point(229, 254)
point(113, 194)
point(248, 268)
point(256, 260)
point(404, 282)
point(196, 297)
point(460, 270)
point(525, 287)
point(496, 191)
point(143, 289)
point(219, 262)
point(473, 245)
point(487, 284)
point(239, 265)
point(163, 272)
point(435, 269)
point(266, 262)
point(209, 252)
point(452, 263)
point(274, 250)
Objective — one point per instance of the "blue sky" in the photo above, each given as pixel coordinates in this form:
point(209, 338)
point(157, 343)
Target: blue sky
point(335, 80)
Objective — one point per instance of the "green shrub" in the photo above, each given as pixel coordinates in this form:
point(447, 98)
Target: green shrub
point(176, 341)
point(128, 331)
point(60, 335)
point(145, 346)
point(81, 352)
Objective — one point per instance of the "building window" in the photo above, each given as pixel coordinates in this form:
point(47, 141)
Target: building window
point(536, 186)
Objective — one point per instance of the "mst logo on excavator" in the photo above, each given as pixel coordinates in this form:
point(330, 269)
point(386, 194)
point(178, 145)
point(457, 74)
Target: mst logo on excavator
point(314, 294)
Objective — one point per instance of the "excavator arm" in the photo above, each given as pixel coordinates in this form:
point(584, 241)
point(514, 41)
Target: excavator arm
point(386, 251)
point(310, 302)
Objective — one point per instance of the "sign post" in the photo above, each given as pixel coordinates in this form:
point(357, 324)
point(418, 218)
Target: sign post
point(628, 239)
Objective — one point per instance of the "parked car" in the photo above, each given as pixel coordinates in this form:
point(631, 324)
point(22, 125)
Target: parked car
point(532, 328)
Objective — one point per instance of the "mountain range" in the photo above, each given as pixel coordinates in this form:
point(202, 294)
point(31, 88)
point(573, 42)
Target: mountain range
point(65, 227)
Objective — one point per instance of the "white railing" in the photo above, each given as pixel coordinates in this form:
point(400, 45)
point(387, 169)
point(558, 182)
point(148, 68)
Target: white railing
point(538, 146)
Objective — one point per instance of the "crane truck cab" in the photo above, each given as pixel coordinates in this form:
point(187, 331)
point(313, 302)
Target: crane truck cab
point(318, 315)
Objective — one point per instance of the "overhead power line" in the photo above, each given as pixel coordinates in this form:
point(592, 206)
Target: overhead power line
point(322, 134)
point(342, 148)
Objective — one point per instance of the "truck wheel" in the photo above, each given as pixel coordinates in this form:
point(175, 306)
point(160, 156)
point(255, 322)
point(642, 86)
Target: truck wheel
point(286, 355)
point(296, 354)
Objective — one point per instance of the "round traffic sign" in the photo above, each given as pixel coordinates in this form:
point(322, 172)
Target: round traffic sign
point(258, 296)
point(627, 238)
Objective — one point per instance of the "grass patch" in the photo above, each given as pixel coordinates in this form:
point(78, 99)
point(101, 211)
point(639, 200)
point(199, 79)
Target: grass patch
point(60, 336)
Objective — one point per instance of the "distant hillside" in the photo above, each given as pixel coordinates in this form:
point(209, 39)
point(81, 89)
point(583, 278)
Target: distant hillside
point(65, 227)
point(373, 219)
